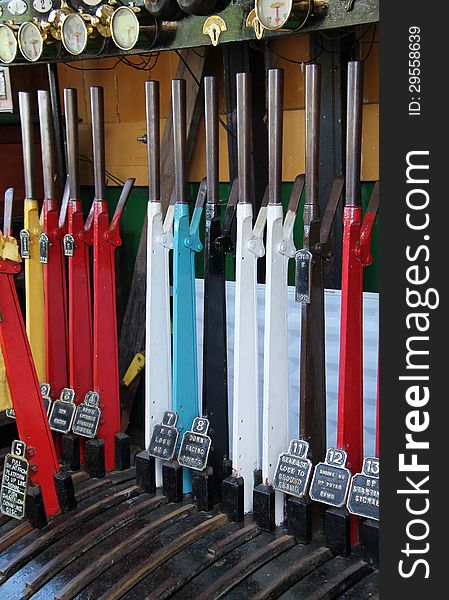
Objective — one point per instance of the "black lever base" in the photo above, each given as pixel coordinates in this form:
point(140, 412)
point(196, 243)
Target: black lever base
point(122, 451)
point(71, 451)
point(369, 541)
point(172, 481)
point(94, 458)
point(146, 472)
point(299, 518)
point(202, 489)
point(65, 491)
point(232, 498)
point(35, 511)
point(337, 529)
point(264, 507)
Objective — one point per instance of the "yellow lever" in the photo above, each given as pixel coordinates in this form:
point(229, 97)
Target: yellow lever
point(34, 287)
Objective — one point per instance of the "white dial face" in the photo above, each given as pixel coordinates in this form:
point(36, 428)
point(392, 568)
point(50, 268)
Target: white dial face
point(30, 41)
point(74, 34)
point(124, 28)
point(8, 44)
point(17, 7)
point(42, 6)
point(273, 14)
point(92, 2)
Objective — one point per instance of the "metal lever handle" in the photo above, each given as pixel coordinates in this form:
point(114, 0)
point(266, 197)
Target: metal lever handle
point(354, 132)
point(97, 109)
point(179, 138)
point(126, 190)
point(322, 248)
point(153, 140)
point(275, 125)
point(26, 124)
point(45, 121)
point(211, 123)
point(296, 193)
point(71, 123)
point(202, 194)
point(64, 203)
point(244, 136)
point(230, 208)
point(224, 242)
point(7, 217)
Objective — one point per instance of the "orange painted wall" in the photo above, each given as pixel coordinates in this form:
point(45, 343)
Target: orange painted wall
point(125, 111)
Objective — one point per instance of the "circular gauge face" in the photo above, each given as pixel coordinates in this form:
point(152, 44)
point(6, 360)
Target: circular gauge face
point(125, 28)
point(74, 34)
point(17, 7)
point(273, 14)
point(8, 44)
point(30, 41)
point(42, 6)
point(92, 2)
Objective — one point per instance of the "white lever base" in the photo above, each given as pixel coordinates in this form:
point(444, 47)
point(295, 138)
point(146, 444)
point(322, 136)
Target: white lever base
point(245, 442)
point(158, 381)
point(275, 388)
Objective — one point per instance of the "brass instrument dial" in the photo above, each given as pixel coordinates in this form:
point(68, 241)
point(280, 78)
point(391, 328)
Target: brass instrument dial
point(8, 44)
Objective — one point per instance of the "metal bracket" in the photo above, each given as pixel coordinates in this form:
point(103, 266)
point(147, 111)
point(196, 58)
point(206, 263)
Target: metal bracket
point(348, 5)
point(253, 21)
point(213, 26)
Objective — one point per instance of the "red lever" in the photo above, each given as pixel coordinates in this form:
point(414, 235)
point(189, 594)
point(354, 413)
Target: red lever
point(356, 250)
point(31, 420)
point(56, 317)
point(80, 303)
point(106, 237)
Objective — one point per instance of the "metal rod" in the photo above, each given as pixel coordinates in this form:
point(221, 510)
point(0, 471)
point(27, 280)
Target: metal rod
point(179, 138)
point(244, 136)
point(354, 132)
point(211, 119)
point(97, 109)
point(275, 130)
point(47, 145)
point(26, 124)
point(53, 84)
point(312, 106)
point(153, 140)
point(71, 125)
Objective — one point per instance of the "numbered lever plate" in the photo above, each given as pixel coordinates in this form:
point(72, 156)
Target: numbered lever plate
point(363, 499)
point(331, 479)
point(14, 482)
point(303, 276)
point(63, 411)
point(165, 437)
point(87, 416)
point(43, 248)
point(69, 244)
point(195, 446)
point(24, 244)
point(45, 393)
point(293, 470)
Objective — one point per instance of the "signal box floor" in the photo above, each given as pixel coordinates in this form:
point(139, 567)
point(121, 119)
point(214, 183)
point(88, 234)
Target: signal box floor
point(122, 543)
